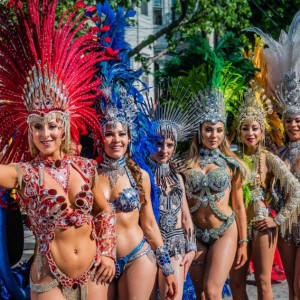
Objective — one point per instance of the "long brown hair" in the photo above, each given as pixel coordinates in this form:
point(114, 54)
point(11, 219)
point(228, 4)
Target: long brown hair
point(137, 176)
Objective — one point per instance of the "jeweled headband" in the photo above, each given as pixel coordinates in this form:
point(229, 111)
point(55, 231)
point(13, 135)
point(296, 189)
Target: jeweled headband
point(210, 106)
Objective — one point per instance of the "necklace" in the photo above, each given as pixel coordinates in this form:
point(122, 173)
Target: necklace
point(208, 156)
point(58, 169)
point(163, 174)
point(113, 169)
point(293, 152)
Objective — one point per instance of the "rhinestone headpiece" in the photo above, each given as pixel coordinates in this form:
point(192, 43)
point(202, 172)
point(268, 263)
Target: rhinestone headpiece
point(256, 107)
point(288, 95)
point(172, 114)
point(210, 106)
point(124, 110)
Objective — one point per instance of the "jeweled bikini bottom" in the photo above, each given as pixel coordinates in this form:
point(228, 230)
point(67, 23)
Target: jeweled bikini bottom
point(134, 254)
point(208, 236)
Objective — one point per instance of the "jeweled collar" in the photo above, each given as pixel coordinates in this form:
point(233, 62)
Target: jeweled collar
point(51, 163)
point(113, 168)
point(293, 145)
point(162, 172)
point(208, 156)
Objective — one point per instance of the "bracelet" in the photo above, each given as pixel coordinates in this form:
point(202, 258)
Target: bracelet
point(190, 244)
point(163, 260)
point(243, 241)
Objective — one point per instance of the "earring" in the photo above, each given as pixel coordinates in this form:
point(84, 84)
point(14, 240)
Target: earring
point(199, 136)
point(130, 148)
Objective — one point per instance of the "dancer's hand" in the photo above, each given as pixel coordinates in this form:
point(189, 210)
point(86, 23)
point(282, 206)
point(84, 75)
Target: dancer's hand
point(264, 224)
point(187, 261)
point(105, 270)
point(241, 255)
point(172, 284)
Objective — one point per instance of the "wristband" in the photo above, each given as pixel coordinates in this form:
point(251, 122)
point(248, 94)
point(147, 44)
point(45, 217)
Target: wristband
point(163, 260)
point(243, 241)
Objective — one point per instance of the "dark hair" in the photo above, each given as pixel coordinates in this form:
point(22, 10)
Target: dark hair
point(137, 176)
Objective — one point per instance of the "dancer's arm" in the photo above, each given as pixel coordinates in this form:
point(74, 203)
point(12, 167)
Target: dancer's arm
point(104, 221)
point(241, 220)
point(188, 227)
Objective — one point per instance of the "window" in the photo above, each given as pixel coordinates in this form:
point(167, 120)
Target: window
point(157, 12)
point(144, 7)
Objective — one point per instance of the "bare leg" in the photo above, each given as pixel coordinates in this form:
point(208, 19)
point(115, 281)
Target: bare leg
point(179, 273)
point(219, 261)
point(238, 279)
point(112, 290)
point(138, 280)
point(96, 291)
point(263, 249)
point(197, 270)
point(297, 274)
point(55, 293)
point(287, 252)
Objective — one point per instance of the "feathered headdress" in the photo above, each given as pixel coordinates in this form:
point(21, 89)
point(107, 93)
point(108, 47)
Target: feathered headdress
point(46, 71)
point(283, 62)
point(171, 112)
point(257, 106)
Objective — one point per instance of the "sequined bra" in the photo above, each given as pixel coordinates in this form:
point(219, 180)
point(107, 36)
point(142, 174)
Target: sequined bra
point(47, 209)
point(212, 186)
point(208, 188)
point(129, 199)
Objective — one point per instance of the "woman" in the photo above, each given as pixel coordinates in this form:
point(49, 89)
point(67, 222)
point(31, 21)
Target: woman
point(266, 170)
point(175, 222)
point(42, 95)
point(283, 84)
point(127, 188)
point(214, 177)
point(288, 244)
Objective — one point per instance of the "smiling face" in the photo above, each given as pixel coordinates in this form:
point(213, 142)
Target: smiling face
point(212, 135)
point(47, 138)
point(292, 127)
point(251, 134)
point(165, 150)
point(116, 140)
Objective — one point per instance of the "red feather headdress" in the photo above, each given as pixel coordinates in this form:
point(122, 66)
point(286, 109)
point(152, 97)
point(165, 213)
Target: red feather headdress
point(47, 70)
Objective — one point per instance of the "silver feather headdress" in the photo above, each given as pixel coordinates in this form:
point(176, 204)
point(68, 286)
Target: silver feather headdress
point(172, 111)
point(283, 62)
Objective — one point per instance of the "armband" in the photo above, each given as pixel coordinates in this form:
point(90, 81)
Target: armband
point(163, 260)
point(106, 233)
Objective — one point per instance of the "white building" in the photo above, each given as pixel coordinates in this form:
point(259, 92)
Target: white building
point(151, 16)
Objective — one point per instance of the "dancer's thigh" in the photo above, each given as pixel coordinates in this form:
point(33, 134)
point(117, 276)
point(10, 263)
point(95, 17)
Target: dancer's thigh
point(138, 280)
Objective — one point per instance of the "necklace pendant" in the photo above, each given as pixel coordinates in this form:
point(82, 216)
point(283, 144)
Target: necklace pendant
point(57, 163)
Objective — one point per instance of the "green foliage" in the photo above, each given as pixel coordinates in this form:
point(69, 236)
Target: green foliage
point(272, 16)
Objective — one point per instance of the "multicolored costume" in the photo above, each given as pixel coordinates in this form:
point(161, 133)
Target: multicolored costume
point(47, 72)
point(257, 107)
point(282, 60)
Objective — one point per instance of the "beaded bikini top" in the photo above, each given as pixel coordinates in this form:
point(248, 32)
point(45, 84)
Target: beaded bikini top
point(46, 208)
point(129, 199)
point(208, 188)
